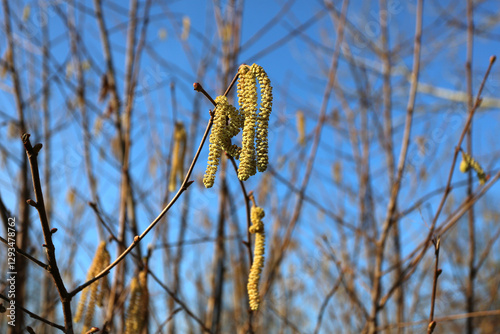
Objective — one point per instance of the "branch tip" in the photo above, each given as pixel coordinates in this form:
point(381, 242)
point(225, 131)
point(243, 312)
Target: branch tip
point(492, 59)
point(37, 148)
point(25, 137)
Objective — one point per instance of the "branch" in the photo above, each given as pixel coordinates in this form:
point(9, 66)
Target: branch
point(26, 255)
point(437, 272)
point(184, 186)
point(32, 153)
point(34, 316)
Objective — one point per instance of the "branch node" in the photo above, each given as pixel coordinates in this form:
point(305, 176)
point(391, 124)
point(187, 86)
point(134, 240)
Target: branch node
point(31, 202)
point(431, 327)
point(53, 230)
point(187, 184)
point(37, 148)
point(136, 239)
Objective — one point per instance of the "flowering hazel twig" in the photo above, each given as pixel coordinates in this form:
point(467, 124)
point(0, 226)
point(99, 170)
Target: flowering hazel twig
point(184, 186)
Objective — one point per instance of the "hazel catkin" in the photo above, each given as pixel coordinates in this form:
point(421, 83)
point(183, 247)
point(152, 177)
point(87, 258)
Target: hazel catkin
point(266, 103)
point(248, 101)
point(256, 215)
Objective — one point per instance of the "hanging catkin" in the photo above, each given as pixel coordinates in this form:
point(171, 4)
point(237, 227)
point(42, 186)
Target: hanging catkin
point(93, 295)
point(257, 228)
point(178, 153)
point(266, 104)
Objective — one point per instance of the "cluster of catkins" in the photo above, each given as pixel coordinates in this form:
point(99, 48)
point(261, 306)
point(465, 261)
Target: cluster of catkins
point(228, 121)
point(256, 215)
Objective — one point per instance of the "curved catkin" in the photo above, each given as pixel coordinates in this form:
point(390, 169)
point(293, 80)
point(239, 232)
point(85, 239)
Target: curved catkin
point(248, 101)
point(257, 227)
point(217, 137)
point(469, 162)
point(266, 104)
point(93, 295)
point(236, 121)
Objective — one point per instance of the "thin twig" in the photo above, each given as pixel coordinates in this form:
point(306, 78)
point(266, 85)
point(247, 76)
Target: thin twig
point(332, 74)
point(35, 316)
point(469, 289)
point(26, 255)
point(247, 209)
point(32, 153)
point(184, 186)
point(180, 302)
point(437, 272)
point(477, 314)
point(396, 186)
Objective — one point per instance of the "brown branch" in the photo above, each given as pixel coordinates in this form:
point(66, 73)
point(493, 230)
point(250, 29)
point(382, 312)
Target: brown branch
point(26, 255)
point(35, 316)
point(477, 314)
point(437, 272)
point(391, 207)
point(180, 302)
point(469, 289)
point(184, 186)
point(312, 155)
point(246, 196)
point(452, 220)
point(32, 153)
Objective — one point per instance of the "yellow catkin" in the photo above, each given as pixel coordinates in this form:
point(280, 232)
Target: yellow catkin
point(232, 127)
point(7, 63)
point(226, 32)
point(301, 128)
point(138, 304)
point(93, 294)
point(337, 172)
point(266, 104)
point(217, 136)
point(131, 324)
point(257, 228)
point(247, 94)
point(26, 12)
point(186, 26)
point(103, 282)
point(469, 162)
point(179, 151)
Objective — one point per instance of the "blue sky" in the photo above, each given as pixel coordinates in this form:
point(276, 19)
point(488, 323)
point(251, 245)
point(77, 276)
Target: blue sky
point(297, 70)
